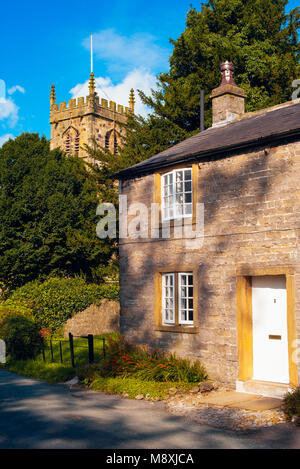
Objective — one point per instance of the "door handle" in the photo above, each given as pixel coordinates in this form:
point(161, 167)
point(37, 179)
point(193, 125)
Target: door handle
point(275, 337)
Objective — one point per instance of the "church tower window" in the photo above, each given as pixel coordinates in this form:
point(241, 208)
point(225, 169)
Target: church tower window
point(71, 141)
point(111, 142)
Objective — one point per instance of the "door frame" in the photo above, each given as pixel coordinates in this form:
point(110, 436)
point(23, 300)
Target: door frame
point(244, 318)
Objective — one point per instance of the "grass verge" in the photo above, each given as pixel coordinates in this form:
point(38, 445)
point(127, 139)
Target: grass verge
point(135, 386)
point(56, 372)
point(121, 370)
point(50, 372)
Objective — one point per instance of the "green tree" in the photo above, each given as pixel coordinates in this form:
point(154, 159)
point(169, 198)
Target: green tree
point(144, 138)
point(47, 214)
point(256, 35)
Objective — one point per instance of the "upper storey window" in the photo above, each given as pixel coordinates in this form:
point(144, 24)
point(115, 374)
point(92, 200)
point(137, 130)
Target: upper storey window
point(177, 194)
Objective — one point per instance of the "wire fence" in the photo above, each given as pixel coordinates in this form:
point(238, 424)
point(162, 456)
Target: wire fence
point(67, 349)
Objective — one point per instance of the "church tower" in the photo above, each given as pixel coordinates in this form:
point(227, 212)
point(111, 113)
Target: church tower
point(87, 119)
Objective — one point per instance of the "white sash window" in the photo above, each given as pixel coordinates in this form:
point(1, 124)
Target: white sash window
point(177, 194)
point(185, 298)
point(181, 286)
point(168, 298)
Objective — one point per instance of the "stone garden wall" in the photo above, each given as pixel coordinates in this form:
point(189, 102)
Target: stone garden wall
point(96, 319)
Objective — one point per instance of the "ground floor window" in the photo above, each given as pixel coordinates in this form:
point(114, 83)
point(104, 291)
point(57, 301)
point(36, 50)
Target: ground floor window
point(178, 298)
point(168, 298)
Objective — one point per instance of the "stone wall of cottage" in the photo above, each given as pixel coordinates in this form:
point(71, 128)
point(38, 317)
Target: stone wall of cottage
point(252, 219)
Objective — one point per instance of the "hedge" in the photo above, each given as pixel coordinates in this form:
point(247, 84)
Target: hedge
point(53, 302)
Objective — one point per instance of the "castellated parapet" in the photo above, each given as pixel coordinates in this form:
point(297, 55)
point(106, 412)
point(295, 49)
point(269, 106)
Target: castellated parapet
point(84, 120)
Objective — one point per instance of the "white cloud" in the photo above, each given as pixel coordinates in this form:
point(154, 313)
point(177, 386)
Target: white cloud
point(4, 138)
point(13, 89)
point(2, 89)
point(9, 110)
point(139, 78)
point(136, 57)
point(128, 52)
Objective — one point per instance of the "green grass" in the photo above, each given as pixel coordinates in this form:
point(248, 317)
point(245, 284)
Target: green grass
point(57, 372)
point(50, 372)
point(135, 386)
point(80, 349)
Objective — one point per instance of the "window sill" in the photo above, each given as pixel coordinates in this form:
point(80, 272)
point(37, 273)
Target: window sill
point(178, 219)
point(178, 329)
point(173, 221)
point(188, 221)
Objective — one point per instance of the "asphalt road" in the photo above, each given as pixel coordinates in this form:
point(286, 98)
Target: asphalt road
point(42, 416)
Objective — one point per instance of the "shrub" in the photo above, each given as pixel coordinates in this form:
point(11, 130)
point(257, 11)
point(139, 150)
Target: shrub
point(22, 337)
point(291, 406)
point(171, 368)
point(109, 291)
point(15, 307)
point(124, 361)
point(56, 300)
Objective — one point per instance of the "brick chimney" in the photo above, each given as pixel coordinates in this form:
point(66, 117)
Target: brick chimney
point(228, 100)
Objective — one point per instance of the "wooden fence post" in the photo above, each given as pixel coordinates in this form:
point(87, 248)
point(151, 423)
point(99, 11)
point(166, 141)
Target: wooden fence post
point(71, 349)
point(91, 348)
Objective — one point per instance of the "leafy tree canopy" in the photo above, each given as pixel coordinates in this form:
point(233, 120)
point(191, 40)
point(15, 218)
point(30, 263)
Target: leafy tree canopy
point(144, 138)
point(256, 35)
point(47, 214)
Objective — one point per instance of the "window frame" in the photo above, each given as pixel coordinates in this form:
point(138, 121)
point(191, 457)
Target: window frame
point(185, 322)
point(173, 207)
point(164, 298)
point(190, 327)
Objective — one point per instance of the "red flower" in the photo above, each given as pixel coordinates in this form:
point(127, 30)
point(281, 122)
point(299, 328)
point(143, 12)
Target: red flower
point(45, 332)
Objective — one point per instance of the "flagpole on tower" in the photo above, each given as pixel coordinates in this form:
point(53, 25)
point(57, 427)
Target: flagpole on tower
point(92, 79)
point(91, 52)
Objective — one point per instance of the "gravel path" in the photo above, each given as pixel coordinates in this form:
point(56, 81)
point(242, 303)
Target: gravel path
point(193, 406)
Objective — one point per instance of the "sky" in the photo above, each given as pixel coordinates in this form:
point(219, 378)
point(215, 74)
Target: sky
point(44, 43)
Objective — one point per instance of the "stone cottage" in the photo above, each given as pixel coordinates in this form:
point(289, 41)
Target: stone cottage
point(231, 298)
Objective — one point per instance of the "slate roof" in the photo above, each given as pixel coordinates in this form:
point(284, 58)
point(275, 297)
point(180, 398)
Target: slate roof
point(266, 126)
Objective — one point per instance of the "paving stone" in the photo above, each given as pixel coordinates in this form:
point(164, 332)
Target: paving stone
point(266, 403)
point(227, 398)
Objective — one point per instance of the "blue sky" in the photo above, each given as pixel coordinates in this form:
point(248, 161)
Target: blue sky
point(45, 43)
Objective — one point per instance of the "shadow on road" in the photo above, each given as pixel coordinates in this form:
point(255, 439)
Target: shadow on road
point(40, 415)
